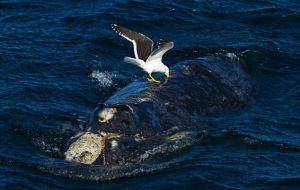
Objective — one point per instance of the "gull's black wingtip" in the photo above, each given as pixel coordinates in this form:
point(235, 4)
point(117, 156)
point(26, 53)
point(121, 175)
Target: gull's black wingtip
point(162, 41)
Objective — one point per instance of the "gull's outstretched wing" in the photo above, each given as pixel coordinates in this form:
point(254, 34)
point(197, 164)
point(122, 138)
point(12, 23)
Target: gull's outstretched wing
point(163, 47)
point(142, 44)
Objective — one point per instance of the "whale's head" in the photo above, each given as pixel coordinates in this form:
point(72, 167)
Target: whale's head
point(112, 136)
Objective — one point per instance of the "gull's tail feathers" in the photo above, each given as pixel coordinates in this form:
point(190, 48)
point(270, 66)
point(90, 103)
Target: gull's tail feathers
point(136, 62)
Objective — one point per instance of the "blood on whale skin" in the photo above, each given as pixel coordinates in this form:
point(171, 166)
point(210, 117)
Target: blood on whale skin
point(134, 118)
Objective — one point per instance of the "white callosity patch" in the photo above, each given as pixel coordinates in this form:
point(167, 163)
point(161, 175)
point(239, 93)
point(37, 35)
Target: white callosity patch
point(86, 149)
point(104, 79)
point(106, 114)
point(114, 144)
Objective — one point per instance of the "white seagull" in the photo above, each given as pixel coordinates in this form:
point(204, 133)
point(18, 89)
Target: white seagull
point(145, 58)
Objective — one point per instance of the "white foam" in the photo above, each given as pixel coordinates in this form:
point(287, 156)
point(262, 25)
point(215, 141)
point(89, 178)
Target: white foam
point(104, 79)
point(232, 56)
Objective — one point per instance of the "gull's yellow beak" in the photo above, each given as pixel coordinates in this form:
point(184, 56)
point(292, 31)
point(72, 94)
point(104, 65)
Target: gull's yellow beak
point(168, 75)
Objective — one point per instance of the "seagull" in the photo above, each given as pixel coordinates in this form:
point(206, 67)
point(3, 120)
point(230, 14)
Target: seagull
point(148, 60)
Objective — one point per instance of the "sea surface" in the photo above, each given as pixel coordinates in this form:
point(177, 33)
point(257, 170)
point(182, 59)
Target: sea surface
point(58, 59)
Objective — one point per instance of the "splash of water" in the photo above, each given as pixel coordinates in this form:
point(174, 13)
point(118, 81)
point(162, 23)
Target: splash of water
point(104, 79)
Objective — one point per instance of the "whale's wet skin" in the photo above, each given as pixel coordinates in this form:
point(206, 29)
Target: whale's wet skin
point(59, 59)
point(130, 123)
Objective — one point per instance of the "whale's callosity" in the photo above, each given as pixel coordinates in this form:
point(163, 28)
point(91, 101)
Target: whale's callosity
point(134, 119)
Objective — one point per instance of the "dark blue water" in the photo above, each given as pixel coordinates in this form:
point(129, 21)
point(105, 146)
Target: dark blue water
point(58, 59)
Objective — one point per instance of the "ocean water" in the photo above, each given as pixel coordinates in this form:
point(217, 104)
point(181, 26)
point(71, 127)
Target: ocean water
point(58, 59)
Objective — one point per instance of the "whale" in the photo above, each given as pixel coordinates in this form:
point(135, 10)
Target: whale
point(145, 119)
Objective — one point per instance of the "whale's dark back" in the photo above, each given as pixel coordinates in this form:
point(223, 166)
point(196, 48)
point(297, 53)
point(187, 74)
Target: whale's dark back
point(197, 87)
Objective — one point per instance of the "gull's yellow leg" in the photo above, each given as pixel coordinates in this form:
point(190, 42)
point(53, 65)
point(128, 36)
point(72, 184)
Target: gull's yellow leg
point(152, 79)
point(149, 79)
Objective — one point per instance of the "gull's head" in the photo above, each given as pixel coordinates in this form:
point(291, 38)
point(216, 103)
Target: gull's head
point(166, 71)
